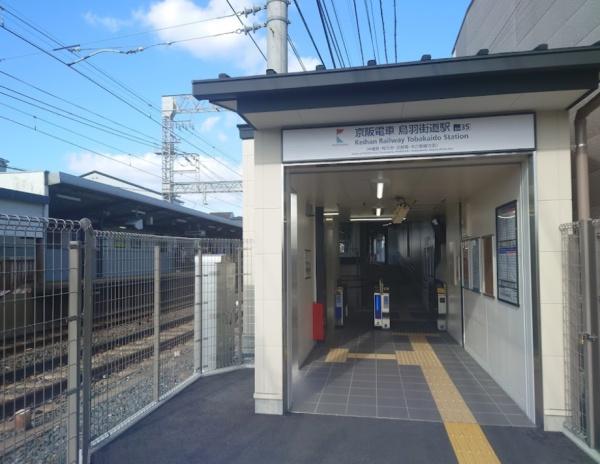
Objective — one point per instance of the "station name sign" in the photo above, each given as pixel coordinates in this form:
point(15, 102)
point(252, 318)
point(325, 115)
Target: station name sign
point(490, 134)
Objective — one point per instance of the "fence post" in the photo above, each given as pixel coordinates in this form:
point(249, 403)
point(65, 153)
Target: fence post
point(89, 271)
point(198, 310)
point(156, 323)
point(589, 338)
point(240, 298)
point(73, 354)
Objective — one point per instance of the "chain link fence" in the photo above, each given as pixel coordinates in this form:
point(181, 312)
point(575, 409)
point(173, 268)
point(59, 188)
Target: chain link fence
point(99, 327)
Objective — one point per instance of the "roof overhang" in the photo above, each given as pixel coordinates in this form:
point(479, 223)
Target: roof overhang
point(505, 82)
point(98, 195)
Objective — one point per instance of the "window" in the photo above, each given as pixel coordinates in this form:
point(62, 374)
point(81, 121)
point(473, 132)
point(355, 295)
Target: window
point(507, 253)
point(488, 265)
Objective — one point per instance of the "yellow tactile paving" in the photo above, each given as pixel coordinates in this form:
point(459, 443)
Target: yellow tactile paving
point(466, 436)
point(470, 444)
point(417, 358)
point(337, 355)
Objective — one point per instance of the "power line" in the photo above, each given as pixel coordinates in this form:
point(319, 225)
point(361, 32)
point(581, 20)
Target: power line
point(35, 129)
point(362, 57)
point(120, 98)
point(140, 49)
point(89, 123)
point(242, 23)
point(384, 37)
point(337, 20)
point(296, 54)
point(323, 23)
point(245, 12)
point(312, 39)
point(395, 34)
point(370, 28)
point(104, 88)
point(371, 14)
point(91, 139)
point(76, 105)
point(332, 34)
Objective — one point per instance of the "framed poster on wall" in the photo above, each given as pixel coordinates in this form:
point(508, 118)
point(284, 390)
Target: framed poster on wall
point(507, 253)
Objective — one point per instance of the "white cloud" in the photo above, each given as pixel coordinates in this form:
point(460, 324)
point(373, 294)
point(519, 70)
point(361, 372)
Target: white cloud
point(145, 171)
point(209, 123)
point(236, 49)
point(107, 22)
point(222, 136)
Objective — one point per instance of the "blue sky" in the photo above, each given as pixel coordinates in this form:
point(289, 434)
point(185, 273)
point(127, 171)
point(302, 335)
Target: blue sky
point(426, 26)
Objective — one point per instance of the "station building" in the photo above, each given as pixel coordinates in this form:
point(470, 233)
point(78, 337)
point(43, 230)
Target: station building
point(439, 183)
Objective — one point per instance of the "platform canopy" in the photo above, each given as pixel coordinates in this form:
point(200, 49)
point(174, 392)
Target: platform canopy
point(538, 80)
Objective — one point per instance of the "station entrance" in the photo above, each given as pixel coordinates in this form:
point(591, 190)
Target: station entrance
point(397, 302)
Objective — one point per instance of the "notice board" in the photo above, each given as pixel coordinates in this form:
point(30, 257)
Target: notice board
point(507, 253)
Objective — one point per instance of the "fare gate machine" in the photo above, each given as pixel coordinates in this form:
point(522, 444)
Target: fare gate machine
point(381, 307)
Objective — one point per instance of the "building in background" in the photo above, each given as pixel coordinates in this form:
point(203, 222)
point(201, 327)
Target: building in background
point(109, 207)
point(519, 25)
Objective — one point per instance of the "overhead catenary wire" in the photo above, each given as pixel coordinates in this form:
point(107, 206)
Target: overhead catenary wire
point(324, 24)
point(332, 34)
point(120, 98)
point(383, 31)
point(78, 106)
point(75, 117)
point(337, 20)
point(370, 27)
point(128, 89)
point(371, 15)
point(312, 39)
point(395, 33)
point(143, 48)
point(360, 46)
point(296, 54)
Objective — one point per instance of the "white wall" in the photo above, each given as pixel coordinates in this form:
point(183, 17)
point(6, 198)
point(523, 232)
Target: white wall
point(305, 289)
point(553, 207)
point(498, 335)
point(30, 182)
point(268, 275)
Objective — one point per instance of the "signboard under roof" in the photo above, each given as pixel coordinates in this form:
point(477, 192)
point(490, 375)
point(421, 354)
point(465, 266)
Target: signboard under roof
point(489, 134)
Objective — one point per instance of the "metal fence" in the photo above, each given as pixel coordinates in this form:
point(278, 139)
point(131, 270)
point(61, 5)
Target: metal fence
point(99, 327)
point(581, 281)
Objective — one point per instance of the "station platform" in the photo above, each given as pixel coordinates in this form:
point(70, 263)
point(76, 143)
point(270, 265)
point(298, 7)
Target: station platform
point(213, 421)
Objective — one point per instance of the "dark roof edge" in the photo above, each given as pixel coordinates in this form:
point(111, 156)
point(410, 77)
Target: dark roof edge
point(462, 24)
point(56, 178)
point(246, 131)
point(24, 197)
point(232, 88)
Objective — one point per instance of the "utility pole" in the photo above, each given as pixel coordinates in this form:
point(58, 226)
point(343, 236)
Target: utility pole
point(277, 35)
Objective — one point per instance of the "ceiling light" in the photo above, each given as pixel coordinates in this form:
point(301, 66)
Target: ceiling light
point(329, 219)
point(377, 212)
point(331, 213)
point(370, 219)
point(379, 190)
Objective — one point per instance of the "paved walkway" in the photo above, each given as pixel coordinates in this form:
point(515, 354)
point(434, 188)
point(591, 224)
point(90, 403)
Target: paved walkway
point(213, 421)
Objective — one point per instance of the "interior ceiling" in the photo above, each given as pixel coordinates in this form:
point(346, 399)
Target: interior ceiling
point(506, 103)
point(426, 189)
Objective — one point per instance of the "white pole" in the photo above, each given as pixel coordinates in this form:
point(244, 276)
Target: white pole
point(277, 32)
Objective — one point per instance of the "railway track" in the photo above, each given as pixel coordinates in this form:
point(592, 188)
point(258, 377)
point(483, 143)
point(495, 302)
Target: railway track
point(42, 388)
point(15, 368)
